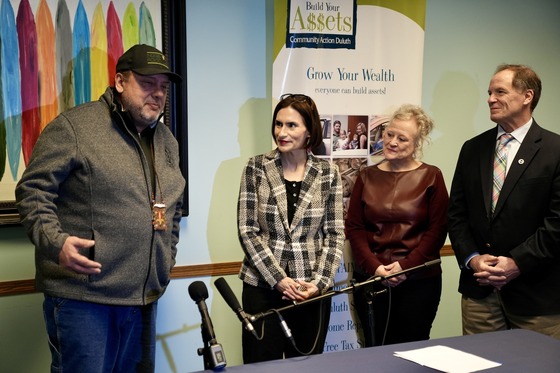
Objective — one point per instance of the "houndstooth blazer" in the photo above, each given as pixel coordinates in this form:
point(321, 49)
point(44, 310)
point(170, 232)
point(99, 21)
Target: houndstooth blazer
point(309, 249)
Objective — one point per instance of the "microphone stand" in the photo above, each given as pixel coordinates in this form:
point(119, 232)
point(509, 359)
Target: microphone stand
point(348, 289)
point(212, 353)
point(204, 351)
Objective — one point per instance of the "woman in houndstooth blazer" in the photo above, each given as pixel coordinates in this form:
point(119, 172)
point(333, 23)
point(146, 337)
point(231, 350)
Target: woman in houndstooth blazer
point(292, 232)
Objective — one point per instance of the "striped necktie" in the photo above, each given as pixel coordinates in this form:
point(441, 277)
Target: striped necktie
point(500, 163)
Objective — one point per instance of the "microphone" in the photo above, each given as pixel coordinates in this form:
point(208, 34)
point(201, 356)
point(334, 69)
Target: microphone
point(232, 301)
point(198, 293)
point(214, 356)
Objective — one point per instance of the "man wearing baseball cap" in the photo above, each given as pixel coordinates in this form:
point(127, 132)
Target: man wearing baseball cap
point(146, 60)
point(101, 201)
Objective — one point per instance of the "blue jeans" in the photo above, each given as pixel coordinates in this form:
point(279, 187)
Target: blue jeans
point(96, 338)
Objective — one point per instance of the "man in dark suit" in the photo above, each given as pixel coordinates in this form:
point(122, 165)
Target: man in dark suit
point(509, 250)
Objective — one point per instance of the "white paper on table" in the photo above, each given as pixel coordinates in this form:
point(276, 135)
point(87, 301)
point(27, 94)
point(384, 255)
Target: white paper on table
point(447, 359)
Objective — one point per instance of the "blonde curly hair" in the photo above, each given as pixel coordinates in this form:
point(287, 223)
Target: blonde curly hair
point(424, 122)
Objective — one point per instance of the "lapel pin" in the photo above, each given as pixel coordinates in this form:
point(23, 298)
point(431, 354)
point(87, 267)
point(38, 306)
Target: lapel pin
point(521, 161)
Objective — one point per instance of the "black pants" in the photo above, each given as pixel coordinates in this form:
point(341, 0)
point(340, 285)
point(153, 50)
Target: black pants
point(308, 324)
point(410, 306)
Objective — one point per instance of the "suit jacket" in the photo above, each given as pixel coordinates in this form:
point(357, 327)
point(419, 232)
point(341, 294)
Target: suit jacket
point(525, 225)
point(310, 248)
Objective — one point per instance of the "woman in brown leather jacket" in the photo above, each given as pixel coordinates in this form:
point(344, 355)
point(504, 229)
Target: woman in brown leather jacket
point(397, 220)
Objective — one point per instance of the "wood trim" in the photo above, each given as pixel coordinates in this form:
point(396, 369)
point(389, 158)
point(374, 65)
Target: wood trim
point(27, 286)
point(17, 287)
point(446, 250)
point(215, 269)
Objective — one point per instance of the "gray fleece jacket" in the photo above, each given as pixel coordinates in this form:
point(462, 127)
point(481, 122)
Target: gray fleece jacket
point(88, 177)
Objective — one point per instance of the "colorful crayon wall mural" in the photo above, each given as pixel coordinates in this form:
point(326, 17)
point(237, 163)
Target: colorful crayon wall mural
point(56, 54)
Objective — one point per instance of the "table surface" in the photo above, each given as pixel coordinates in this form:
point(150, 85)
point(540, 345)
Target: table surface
point(517, 350)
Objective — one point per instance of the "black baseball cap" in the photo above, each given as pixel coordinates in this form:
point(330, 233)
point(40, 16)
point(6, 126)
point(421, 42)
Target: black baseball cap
point(146, 60)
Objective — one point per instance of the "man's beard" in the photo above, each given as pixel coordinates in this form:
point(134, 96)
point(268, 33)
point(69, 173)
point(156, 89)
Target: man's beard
point(138, 114)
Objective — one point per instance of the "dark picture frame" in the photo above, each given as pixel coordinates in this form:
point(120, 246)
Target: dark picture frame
point(174, 24)
point(174, 45)
point(8, 213)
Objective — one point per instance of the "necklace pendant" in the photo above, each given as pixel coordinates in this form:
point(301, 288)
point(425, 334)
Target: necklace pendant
point(159, 221)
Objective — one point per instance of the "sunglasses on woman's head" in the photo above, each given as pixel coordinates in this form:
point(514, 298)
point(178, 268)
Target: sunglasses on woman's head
point(296, 97)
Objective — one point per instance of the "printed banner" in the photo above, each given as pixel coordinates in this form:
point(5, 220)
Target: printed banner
point(359, 61)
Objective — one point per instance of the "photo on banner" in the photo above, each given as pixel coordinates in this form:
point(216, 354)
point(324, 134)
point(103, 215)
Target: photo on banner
point(359, 61)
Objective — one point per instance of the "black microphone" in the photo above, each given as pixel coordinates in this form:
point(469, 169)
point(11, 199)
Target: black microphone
point(213, 354)
point(232, 301)
point(198, 293)
point(286, 329)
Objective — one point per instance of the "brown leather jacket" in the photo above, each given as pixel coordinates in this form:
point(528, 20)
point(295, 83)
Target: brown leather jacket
point(398, 216)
